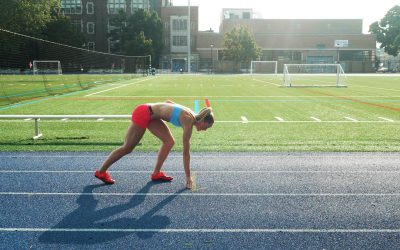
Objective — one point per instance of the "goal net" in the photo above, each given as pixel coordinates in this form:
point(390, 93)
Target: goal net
point(47, 67)
point(313, 75)
point(263, 67)
point(53, 68)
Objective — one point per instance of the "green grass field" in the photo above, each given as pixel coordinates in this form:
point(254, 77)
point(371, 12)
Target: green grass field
point(253, 113)
point(17, 88)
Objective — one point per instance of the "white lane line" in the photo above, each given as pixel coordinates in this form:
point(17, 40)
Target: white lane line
point(203, 230)
point(294, 155)
point(315, 119)
point(350, 119)
point(210, 171)
point(128, 84)
point(386, 119)
point(207, 194)
point(267, 82)
point(244, 119)
point(279, 119)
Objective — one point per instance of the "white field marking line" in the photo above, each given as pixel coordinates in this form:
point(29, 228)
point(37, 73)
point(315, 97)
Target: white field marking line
point(124, 85)
point(100, 119)
point(211, 171)
point(386, 119)
point(208, 194)
point(64, 119)
point(241, 121)
point(279, 119)
point(201, 230)
point(266, 82)
point(242, 96)
point(28, 119)
point(315, 119)
point(350, 119)
point(237, 121)
point(244, 119)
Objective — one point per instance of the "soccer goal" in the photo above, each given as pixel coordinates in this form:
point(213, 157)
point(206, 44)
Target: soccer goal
point(47, 67)
point(313, 75)
point(264, 67)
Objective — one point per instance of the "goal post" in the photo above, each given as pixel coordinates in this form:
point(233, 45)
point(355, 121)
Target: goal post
point(46, 67)
point(313, 75)
point(264, 67)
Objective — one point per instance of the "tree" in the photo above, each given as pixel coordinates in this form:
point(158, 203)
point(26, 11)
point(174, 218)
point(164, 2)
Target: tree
point(139, 34)
point(61, 30)
point(387, 31)
point(241, 46)
point(34, 18)
point(29, 17)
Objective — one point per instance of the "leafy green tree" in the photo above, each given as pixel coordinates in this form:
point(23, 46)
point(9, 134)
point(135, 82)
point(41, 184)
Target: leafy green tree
point(29, 17)
point(35, 18)
point(61, 30)
point(241, 46)
point(387, 31)
point(139, 34)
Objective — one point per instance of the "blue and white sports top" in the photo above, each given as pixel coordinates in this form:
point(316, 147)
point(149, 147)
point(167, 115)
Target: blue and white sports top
point(176, 112)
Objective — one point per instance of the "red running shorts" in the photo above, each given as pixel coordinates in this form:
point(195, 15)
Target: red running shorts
point(141, 116)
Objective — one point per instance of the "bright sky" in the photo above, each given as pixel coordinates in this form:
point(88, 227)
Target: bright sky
point(369, 11)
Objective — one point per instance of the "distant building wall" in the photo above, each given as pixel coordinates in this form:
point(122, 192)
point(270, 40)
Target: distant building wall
point(283, 40)
point(301, 41)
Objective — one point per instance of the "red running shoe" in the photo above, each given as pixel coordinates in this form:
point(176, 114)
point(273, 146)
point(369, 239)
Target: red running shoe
point(105, 177)
point(161, 177)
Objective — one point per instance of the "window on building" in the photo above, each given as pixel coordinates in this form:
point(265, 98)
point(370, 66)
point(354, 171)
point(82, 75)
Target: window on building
point(358, 55)
point(71, 6)
point(179, 40)
point(113, 25)
point(91, 46)
point(77, 24)
point(246, 15)
point(140, 4)
point(233, 16)
point(90, 28)
point(89, 8)
point(114, 6)
point(179, 24)
point(113, 46)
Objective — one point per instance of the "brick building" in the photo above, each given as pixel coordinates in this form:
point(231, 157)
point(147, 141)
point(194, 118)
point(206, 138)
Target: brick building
point(282, 40)
point(296, 41)
point(92, 17)
point(175, 53)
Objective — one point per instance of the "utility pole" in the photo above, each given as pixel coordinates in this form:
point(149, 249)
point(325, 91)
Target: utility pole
point(188, 37)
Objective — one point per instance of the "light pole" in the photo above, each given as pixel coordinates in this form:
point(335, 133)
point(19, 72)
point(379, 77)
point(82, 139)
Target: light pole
point(150, 62)
point(188, 37)
point(212, 61)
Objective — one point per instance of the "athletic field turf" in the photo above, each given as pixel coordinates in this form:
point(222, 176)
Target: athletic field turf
point(253, 113)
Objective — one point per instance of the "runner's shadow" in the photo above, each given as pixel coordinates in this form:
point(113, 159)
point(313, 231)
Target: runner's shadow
point(86, 225)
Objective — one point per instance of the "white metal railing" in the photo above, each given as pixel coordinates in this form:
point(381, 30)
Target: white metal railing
point(38, 117)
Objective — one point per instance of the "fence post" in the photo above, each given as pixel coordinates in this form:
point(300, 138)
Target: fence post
point(37, 130)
